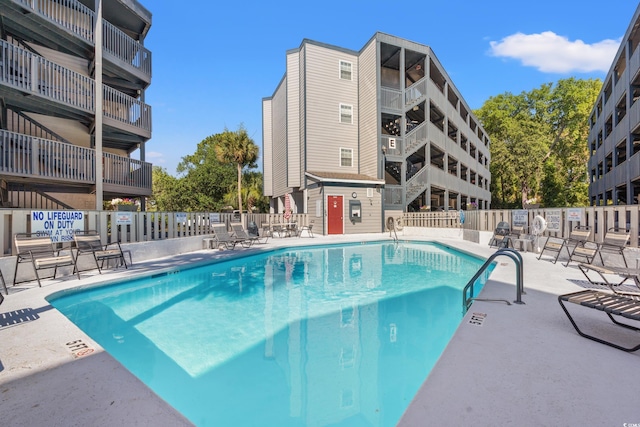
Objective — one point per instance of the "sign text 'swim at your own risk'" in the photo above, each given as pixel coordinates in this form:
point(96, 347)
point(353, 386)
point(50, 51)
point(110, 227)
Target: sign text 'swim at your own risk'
point(60, 225)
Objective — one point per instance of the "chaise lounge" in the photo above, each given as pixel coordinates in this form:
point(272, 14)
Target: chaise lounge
point(625, 306)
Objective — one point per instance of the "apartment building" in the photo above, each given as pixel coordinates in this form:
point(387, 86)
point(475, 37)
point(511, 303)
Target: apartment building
point(614, 127)
point(354, 137)
point(73, 75)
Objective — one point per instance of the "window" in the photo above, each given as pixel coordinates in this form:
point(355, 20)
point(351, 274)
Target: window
point(346, 157)
point(345, 70)
point(346, 113)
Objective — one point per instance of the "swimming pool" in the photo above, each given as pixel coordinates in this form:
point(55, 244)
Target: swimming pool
point(325, 335)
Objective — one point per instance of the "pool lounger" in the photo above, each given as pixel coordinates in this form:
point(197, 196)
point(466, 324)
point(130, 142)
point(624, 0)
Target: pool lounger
point(624, 273)
point(613, 304)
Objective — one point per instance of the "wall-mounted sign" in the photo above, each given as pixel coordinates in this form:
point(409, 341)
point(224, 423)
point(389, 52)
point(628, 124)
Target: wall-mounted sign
point(520, 217)
point(181, 217)
point(574, 214)
point(554, 219)
point(124, 218)
point(60, 225)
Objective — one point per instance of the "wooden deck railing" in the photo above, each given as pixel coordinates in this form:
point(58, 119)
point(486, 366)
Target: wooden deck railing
point(30, 157)
point(34, 74)
point(78, 19)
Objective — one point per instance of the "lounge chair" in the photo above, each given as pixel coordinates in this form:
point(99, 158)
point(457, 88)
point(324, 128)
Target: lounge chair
point(240, 233)
point(614, 304)
point(89, 243)
point(223, 238)
point(262, 235)
point(38, 249)
point(624, 273)
point(307, 228)
point(578, 237)
point(614, 242)
point(500, 237)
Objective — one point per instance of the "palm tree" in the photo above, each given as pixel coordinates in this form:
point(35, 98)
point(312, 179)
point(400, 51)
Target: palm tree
point(237, 148)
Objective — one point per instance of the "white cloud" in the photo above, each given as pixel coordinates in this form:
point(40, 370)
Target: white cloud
point(155, 157)
point(551, 53)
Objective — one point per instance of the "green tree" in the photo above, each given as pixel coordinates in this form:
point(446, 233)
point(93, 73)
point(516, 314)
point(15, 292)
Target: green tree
point(238, 149)
point(539, 143)
point(166, 194)
point(205, 179)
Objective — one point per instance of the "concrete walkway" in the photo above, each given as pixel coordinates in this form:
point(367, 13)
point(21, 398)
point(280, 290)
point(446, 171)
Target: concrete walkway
point(524, 365)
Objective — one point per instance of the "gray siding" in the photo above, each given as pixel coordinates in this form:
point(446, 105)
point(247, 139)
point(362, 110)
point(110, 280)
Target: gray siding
point(436, 137)
point(293, 119)
point(315, 195)
point(302, 120)
point(369, 161)
point(279, 140)
point(622, 179)
point(371, 211)
point(325, 135)
point(267, 148)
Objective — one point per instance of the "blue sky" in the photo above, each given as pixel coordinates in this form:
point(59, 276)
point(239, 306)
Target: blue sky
point(214, 61)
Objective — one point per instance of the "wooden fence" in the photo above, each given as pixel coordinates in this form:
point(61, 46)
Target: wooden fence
point(147, 226)
point(599, 218)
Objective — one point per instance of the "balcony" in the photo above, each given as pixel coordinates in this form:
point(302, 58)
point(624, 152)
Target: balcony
point(59, 163)
point(69, 24)
point(39, 85)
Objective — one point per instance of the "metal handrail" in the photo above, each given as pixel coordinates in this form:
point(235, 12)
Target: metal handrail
point(391, 225)
point(517, 259)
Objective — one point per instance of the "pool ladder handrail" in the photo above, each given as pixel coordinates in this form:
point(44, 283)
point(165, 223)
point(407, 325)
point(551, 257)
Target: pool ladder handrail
point(391, 225)
point(517, 259)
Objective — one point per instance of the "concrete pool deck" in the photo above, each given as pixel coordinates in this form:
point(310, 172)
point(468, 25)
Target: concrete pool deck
point(524, 365)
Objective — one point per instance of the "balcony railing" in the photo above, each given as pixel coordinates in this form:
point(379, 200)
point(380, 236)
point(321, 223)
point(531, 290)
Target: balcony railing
point(390, 98)
point(416, 138)
point(415, 92)
point(123, 47)
point(26, 156)
point(80, 20)
point(31, 73)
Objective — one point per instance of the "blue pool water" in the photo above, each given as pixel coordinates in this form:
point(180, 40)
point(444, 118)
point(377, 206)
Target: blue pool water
point(327, 335)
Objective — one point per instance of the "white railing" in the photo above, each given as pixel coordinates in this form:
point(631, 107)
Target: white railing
point(30, 157)
point(69, 14)
point(416, 138)
point(390, 98)
point(123, 47)
point(126, 109)
point(80, 20)
point(415, 92)
point(31, 73)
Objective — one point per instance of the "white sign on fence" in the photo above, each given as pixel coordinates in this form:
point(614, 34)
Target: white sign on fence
point(574, 214)
point(124, 218)
point(214, 217)
point(520, 217)
point(554, 219)
point(60, 225)
point(181, 217)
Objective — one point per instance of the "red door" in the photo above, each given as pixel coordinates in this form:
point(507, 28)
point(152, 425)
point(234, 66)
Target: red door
point(334, 220)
